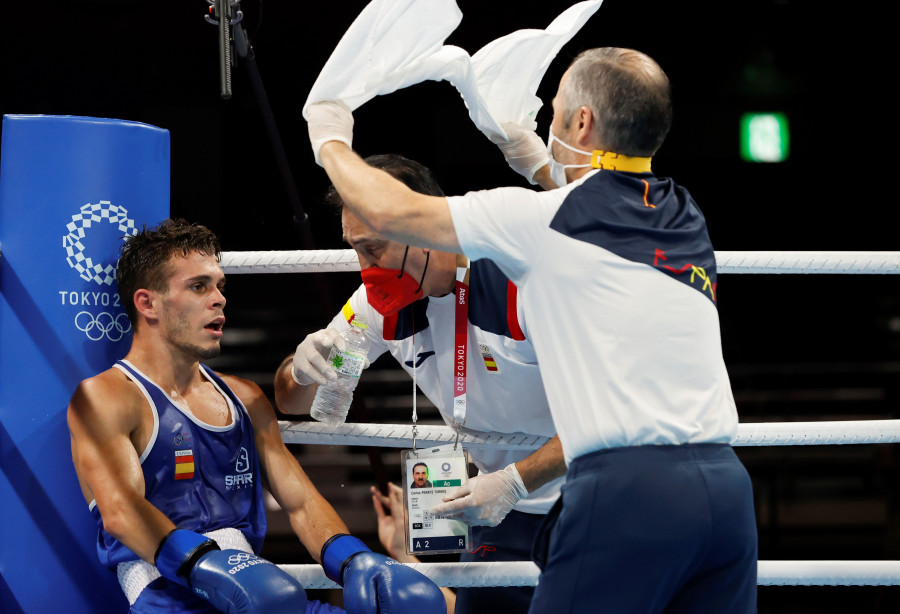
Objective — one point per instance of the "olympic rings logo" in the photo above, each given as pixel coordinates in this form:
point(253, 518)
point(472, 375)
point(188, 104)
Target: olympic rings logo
point(242, 557)
point(102, 325)
point(90, 214)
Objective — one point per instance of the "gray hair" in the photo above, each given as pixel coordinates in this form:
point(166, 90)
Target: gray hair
point(627, 92)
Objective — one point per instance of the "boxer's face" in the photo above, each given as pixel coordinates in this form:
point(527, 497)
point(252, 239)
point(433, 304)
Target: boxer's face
point(191, 312)
point(420, 475)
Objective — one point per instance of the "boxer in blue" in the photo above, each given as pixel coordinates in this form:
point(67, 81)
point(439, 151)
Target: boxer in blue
point(171, 457)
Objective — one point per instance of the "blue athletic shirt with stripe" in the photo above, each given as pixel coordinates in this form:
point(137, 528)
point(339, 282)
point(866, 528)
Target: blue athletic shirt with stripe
point(224, 490)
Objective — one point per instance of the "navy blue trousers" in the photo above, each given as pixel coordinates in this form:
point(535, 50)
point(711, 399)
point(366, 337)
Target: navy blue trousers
point(650, 529)
point(511, 540)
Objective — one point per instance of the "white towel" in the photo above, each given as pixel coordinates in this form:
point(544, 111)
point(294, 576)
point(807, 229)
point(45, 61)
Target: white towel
point(382, 50)
point(396, 43)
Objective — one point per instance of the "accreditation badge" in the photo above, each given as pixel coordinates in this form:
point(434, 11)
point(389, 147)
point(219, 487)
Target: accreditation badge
point(428, 475)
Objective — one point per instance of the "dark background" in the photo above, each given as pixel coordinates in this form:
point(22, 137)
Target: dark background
point(798, 347)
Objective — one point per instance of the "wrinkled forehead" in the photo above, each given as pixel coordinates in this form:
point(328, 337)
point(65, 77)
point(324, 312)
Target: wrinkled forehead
point(354, 230)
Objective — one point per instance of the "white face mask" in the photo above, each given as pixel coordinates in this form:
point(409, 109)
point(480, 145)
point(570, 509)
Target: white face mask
point(557, 170)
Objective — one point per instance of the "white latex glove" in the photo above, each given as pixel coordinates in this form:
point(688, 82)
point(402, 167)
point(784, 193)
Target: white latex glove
point(525, 151)
point(485, 500)
point(311, 364)
point(331, 120)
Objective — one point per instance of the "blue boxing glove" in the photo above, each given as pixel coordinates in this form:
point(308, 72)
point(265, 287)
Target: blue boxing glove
point(374, 583)
point(232, 581)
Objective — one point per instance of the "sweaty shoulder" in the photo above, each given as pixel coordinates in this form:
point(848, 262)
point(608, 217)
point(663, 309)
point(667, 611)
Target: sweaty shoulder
point(110, 396)
point(250, 394)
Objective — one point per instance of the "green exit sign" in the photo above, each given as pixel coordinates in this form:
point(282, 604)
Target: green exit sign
point(764, 137)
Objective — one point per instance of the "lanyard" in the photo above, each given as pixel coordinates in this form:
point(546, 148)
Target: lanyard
point(460, 347)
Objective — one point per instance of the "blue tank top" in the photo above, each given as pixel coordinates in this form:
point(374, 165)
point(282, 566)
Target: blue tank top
point(201, 477)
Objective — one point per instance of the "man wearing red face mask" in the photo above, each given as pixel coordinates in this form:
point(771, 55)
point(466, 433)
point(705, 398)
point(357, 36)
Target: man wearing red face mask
point(408, 298)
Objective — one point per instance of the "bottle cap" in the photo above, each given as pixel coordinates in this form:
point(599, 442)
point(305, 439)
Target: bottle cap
point(359, 321)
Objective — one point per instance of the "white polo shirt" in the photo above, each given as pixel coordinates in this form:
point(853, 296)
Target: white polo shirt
point(617, 280)
point(504, 390)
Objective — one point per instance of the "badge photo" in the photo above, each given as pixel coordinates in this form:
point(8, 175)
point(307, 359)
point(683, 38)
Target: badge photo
point(428, 475)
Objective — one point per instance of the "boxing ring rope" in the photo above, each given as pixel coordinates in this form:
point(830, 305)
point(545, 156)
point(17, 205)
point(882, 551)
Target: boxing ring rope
point(526, 573)
point(290, 261)
point(749, 434)
point(337, 260)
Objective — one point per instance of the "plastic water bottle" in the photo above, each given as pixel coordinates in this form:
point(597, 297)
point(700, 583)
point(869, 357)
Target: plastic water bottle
point(333, 399)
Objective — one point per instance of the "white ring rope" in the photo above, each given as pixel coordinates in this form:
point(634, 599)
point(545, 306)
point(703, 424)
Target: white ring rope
point(749, 434)
point(817, 433)
point(460, 575)
point(525, 573)
point(869, 263)
point(336, 260)
point(296, 261)
point(401, 435)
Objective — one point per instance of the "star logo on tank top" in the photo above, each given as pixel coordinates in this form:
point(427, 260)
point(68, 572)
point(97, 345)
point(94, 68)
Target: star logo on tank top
point(243, 476)
point(243, 462)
